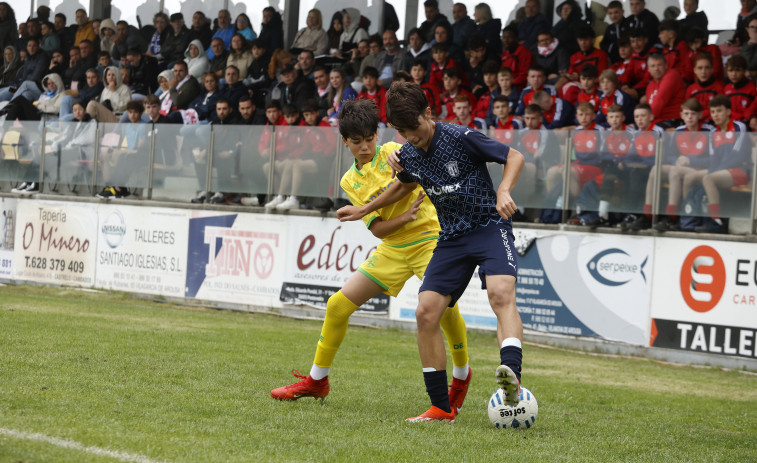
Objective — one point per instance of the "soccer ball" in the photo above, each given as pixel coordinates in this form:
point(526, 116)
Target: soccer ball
point(521, 416)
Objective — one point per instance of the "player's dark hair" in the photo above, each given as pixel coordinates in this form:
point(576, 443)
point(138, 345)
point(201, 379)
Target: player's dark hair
point(371, 71)
point(669, 25)
point(440, 47)
point(452, 72)
point(720, 100)
point(135, 106)
point(405, 103)
point(736, 62)
point(692, 104)
point(358, 118)
point(290, 109)
point(585, 31)
point(589, 71)
point(490, 67)
point(501, 99)
point(420, 62)
point(310, 106)
point(534, 109)
point(273, 104)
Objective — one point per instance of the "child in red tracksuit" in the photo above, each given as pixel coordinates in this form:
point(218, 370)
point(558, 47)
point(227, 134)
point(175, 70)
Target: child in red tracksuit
point(706, 86)
point(741, 91)
point(373, 91)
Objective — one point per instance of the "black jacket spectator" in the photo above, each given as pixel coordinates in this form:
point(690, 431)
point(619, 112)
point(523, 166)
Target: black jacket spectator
point(143, 74)
point(218, 63)
point(87, 93)
point(428, 27)
point(201, 33)
point(174, 45)
point(491, 33)
point(10, 68)
point(233, 93)
point(8, 28)
point(127, 38)
point(272, 32)
point(565, 29)
point(462, 30)
point(205, 105)
point(696, 19)
point(648, 22)
point(609, 41)
point(182, 97)
point(301, 90)
point(78, 73)
point(34, 68)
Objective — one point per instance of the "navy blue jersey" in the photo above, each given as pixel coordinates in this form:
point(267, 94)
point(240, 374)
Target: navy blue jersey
point(453, 173)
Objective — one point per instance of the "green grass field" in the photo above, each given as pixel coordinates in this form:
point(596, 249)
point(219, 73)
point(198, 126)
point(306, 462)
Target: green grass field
point(105, 377)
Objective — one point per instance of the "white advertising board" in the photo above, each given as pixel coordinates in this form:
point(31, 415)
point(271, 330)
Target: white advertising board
point(7, 235)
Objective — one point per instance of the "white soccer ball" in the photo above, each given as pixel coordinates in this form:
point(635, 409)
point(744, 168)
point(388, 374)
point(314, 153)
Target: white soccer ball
point(521, 416)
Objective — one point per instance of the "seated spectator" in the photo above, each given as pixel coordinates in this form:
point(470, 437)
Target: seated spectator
point(675, 50)
point(294, 88)
point(113, 100)
point(639, 77)
point(452, 88)
point(373, 91)
point(49, 41)
point(589, 92)
point(665, 92)
point(443, 34)
point(176, 40)
point(391, 59)
point(532, 25)
point(272, 29)
point(127, 38)
point(489, 29)
point(375, 46)
point(741, 91)
point(463, 26)
point(234, 89)
point(473, 66)
point(536, 78)
point(352, 33)
point(418, 48)
point(107, 36)
point(143, 73)
point(340, 92)
point(200, 30)
point(103, 61)
point(152, 111)
point(352, 67)
point(257, 74)
point(29, 76)
point(322, 87)
point(76, 73)
point(239, 55)
point(312, 37)
point(568, 25)
point(219, 58)
point(705, 87)
point(552, 57)
point(224, 32)
point(8, 31)
point(697, 40)
point(205, 103)
point(163, 78)
point(418, 75)
point(442, 62)
point(158, 39)
point(608, 84)
point(433, 19)
point(504, 121)
point(65, 33)
point(225, 150)
point(557, 112)
point(749, 48)
point(196, 60)
point(249, 114)
point(11, 65)
point(279, 59)
point(694, 18)
point(730, 161)
point(117, 164)
point(306, 63)
point(334, 32)
point(92, 90)
point(84, 29)
point(48, 101)
point(622, 67)
point(615, 30)
point(244, 27)
point(462, 114)
point(58, 65)
point(515, 56)
point(587, 54)
point(289, 165)
point(484, 96)
point(182, 89)
point(642, 18)
point(505, 88)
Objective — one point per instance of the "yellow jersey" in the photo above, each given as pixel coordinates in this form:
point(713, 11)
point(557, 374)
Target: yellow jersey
point(366, 184)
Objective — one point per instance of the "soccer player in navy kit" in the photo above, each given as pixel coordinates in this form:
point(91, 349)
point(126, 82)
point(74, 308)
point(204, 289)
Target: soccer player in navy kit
point(449, 162)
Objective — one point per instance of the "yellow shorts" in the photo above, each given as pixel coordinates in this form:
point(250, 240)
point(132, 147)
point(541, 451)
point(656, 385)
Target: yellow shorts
point(390, 267)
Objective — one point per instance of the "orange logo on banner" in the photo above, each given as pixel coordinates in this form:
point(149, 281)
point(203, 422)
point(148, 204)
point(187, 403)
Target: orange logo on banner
point(702, 279)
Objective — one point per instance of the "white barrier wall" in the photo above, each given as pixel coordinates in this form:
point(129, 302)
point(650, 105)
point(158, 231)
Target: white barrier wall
point(644, 291)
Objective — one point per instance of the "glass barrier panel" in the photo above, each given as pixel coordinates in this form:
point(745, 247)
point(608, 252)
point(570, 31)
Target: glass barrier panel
point(20, 151)
point(124, 158)
point(304, 161)
point(177, 176)
point(70, 155)
point(240, 159)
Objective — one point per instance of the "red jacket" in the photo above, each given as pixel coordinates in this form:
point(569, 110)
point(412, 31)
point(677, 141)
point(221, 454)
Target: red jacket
point(596, 57)
point(379, 97)
point(265, 137)
point(665, 97)
point(592, 98)
point(717, 59)
point(742, 95)
point(677, 58)
point(436, 76)
point(623, 71)
point(433, 97)
point(639, 76)
point(704, 92)
point(448, 103)
point(518, 61)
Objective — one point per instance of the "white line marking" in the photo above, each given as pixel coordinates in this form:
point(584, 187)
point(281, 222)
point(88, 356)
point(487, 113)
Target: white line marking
point(69, 444)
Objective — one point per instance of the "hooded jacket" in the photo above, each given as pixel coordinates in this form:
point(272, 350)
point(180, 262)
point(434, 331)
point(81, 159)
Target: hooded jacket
point(50, 103)
point(354, 34)
point(120, 96)
point(105, 43)
point(199, 65)
point(272, 33)
point(10, 68)
point(8, 30)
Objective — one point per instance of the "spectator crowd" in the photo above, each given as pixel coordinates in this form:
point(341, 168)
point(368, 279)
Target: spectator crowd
point(615, 76)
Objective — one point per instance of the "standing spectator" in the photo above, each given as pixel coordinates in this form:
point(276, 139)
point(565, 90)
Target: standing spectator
point(50, 41)
point(8, 26)
point(642, 18)
point(391, 59)
point(565, 29)
point(224, 32)
point(143, 73)
point(665, 92)
point(675, 50)
point(127, 38)
point(463, 26)
point(433, 19)
point(489, 29)
point(535, 22)
point(28, 80)
point(615, 30)
point(107, 36)
point(272, 29)
point(336, 27)
point(176, 41)
point(196, 60)
point(243, 26)
point(219, 57)
point(239, 55)
point(312, 37)
point(353, 33)
point(515, 56)
point(200, 29)
point(84, 29)
point(693, 17)
point(740, 90)
point(340, 92)
point(158, 39)
point(11, 65)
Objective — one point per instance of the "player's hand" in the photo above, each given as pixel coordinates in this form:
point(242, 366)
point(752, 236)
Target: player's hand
point(505, 205)
point(349, 213)
point(412, 213)
point(394, 161)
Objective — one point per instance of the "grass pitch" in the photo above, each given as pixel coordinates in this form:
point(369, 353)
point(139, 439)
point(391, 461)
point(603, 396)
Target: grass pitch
point(105, 377)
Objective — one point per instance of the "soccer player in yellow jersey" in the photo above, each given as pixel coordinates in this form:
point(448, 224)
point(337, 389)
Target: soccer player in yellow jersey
point(408, 230)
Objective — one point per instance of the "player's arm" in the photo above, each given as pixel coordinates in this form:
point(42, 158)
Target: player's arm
point(383, 228)
point(513, 167)
point(391, 195)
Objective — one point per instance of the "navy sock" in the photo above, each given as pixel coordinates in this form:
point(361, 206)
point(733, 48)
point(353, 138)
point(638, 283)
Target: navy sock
point(512, 357)
point(436, 387)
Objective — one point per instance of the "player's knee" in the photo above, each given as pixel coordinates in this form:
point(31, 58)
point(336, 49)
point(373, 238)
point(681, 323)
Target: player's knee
point(426, 317)
point(501, 299)
point(337, 309)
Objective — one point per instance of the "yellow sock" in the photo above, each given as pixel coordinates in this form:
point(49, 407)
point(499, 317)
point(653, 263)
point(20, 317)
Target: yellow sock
point(338, 311)
point(453, 326)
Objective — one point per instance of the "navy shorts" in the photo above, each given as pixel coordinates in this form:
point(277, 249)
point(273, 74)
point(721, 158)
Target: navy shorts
point(492, 248)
